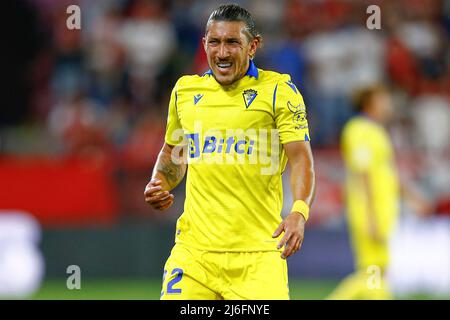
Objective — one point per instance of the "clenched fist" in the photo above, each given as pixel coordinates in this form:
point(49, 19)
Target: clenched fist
point(156, 197)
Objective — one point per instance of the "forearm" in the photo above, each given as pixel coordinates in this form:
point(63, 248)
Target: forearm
point(303, 188)
point(303, 185)
point(168, 171)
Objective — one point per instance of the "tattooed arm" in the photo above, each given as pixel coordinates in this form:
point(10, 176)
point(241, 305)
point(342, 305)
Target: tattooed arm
point(169, 170)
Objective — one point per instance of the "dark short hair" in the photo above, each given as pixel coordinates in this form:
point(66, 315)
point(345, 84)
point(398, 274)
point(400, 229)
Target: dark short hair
point(363, 97)
point(234, 12)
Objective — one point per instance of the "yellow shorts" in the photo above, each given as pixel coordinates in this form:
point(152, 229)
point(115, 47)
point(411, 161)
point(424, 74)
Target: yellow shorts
point(191, 274)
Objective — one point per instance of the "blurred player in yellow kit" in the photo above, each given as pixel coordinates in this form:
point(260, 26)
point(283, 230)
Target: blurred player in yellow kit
point(237, 126)
point(372, 195)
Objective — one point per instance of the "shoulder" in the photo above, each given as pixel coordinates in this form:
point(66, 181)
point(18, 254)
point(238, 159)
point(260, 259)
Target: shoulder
point(280, 83)
point(188, 81)
point(274, 77)
point(360, 129)
point(357, 123)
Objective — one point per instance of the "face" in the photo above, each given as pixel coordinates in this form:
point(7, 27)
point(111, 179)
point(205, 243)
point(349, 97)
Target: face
point(228, 50)
point(382, 106)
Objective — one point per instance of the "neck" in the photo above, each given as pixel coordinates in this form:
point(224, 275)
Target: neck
point(372, 116)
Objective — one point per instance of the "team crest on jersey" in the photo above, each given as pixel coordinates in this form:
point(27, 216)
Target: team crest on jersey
point(249, 95)
point(299, 112)
point(197, 98)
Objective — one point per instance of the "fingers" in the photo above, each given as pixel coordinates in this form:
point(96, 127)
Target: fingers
point(284, 240)
point(163, 205)
point(149, 191)
point(157, 197)
point(164, 202)
point(167, 206)
point(153, 182)
point(292, 242)
point(297, 246)
point(292, 246)
point(153, 186)
point(279, 230)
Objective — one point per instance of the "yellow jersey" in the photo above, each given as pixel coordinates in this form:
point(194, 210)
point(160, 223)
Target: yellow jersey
point(367, 149)
point(233, 136)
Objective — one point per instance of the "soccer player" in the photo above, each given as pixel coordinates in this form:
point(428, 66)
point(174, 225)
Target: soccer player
point(372, 195)
point(237, 126)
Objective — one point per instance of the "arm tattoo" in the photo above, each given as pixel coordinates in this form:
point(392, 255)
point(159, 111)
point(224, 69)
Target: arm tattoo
point(173, 172)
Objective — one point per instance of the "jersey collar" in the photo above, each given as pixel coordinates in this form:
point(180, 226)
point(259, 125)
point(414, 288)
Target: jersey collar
point(251, 72)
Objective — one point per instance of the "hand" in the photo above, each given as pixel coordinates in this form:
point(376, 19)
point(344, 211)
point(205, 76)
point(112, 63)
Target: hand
point(156, 197)
point(294, 228)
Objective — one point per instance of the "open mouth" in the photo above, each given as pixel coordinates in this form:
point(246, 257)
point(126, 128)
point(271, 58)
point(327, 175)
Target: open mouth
point(224, 66)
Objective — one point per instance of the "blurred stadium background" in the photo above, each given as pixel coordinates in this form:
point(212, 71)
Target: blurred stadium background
point(83, 116)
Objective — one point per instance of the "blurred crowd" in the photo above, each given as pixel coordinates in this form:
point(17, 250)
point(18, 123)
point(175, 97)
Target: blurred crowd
point(104, 89)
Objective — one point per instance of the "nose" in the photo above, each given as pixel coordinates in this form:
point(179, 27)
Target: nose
point(223, 51)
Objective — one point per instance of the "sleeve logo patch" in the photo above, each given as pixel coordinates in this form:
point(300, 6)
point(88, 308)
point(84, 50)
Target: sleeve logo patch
point(299, 112)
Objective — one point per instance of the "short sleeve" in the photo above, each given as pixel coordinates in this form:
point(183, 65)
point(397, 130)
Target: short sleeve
point(290, 112)
point(174, 132)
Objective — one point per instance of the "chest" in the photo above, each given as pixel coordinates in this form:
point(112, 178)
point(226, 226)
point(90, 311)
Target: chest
point(221, 110)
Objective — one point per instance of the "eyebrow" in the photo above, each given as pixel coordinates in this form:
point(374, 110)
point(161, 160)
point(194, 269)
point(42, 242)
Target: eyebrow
point(226, 39)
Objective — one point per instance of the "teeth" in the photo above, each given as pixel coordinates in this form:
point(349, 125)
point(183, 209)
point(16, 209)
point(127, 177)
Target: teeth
point(224, 65)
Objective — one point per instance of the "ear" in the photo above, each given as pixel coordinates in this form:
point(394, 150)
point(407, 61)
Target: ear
point(253, 47)
point(204, 43)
